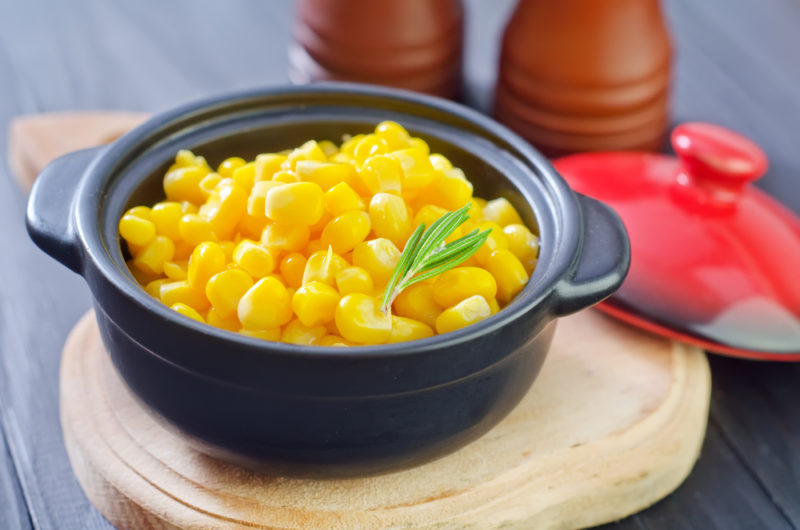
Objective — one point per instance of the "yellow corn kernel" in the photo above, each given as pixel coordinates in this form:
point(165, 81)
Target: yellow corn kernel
point(285, 177)
point(183, 184)
point(224, 208)
point(328, 147)
point(497, 239)
point(314, 246)
point(440, 162)
point(208, 184)
point(523, 244)
point(182, 250)
point(299, 203)
point(404, 329)
point(508, 272)
point(136, 230)
point(342, 198)
point(187, 311)
point(175, 270)
point(296, 332)
point(175, 292)
point(166, 216)
point(184, 158)
point(278, 236)
point(325, 174)
point(501, 211)
point(155, 254)
point(207, 259)
point(254, 259)
point(417, 170)
point(228, 247)
point(368, 146)
point(229, 165)
point(419, 143)
point(317, 228)
point(292, 268)
point(266, 305)
point(378, 257)
point(360, 320)
point(267, 165)
point(349, 145)
point(381, 173)
point(450, 190)
point(323, 266)
point(460, 283)
point(194, 229)
point(494, 305)
point(251, 226)
point(475, 215)
point(346, 231)
point(393, 135)
point(428, 214)
point(143, 212)
point(153, 288)
point(188, 207)
point(468, 311)
point(354, 280)
point(225, 289)
point(244, 176)
point(258, 196)
point(141, 277)
point(263, 334)
point(308, 151)
point(417, 302)
point(230, 323)
point(333, 340)
point(315, 303)
point(390, 218)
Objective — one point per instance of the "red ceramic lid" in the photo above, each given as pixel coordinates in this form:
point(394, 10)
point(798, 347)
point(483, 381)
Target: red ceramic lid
point(714, 261)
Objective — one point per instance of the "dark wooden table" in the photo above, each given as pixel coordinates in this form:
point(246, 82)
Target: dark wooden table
point(738, 64)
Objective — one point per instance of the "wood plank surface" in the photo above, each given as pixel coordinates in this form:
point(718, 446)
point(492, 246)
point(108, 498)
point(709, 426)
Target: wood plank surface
point(736, 65)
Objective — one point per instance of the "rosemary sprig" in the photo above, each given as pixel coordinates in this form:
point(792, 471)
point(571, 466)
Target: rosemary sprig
point(426, 255)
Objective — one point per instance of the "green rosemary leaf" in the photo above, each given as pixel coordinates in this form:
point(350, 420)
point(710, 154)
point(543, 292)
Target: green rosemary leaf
point(439, 231)
point(405, 262)
point(455, 262)
point(454, 248)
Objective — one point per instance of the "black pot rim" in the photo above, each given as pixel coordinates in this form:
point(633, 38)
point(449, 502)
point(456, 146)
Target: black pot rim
point(559, 255)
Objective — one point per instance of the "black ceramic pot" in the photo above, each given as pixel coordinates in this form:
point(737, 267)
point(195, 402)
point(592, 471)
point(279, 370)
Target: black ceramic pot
point(363, 409)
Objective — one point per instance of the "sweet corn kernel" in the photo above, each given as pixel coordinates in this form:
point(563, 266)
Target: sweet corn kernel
point(230, 323)
point(181, 292)
point(328, 147)
point(296, 332)
point(404, 329)
point(349, 145)
point(292, 268)
point(175, 270)
point(378, 257)
point(254, 259)
point(393, 134)
point(153, 288)
point(450, 190)
point(317, 228)
point(229, 165)
point(184, 158)
point(207, 259)
point(182, 251)
point(523, 244)
point(224, 208)
point(266, 305)
point(208, 183)
point(346, 231)
point(299, 203)
point(360, 320)
point(417, 302)
point(267, 165)
point(285, 177)
point(195, 230)
point(381, 173)
point(244, 176)
point(354, 280)
point(418, 172)
point(308, 151)
point(315, 303)
point(460, 283)
point(368, 146)
point(508, 272)
point(440, 162)
point(314, 246)
point(428, 214)
point(390, 218)
point(187, 311)
point(155, 254)
point(501, 211)
point(225, 289)
point(468, 311)
point(228, 247)
point(494, 305)
point(332, 340)
point(189, 207)
point(258, 196)
point(263, 334)
point(143, 212)
point(136, 230)
point(323, 266)
point(419, 143)
point(341, 198)
point(166, 217)
point(325, 174)
point(251, 226)
point(497, 240)
point(183, 184)
point(279, 237)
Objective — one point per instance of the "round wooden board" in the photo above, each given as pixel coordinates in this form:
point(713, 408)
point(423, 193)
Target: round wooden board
point(614, 423)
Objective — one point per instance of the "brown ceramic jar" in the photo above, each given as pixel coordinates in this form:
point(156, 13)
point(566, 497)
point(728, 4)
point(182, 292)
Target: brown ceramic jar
point(412, 44)
point(585, 75)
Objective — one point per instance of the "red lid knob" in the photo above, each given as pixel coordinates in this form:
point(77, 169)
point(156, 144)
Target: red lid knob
point(716, 157)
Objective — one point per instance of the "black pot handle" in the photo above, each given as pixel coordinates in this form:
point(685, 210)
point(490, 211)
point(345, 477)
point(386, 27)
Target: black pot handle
point(603, 262)
point(49, 214)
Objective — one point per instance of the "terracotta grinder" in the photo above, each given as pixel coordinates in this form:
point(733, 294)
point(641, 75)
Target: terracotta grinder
point(583, 75)
point(411, 44)
point(714, 260)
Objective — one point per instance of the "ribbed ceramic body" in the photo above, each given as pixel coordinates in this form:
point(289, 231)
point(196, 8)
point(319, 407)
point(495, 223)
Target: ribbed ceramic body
point(411, 44)
point(310, 408)
point(583, 75)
